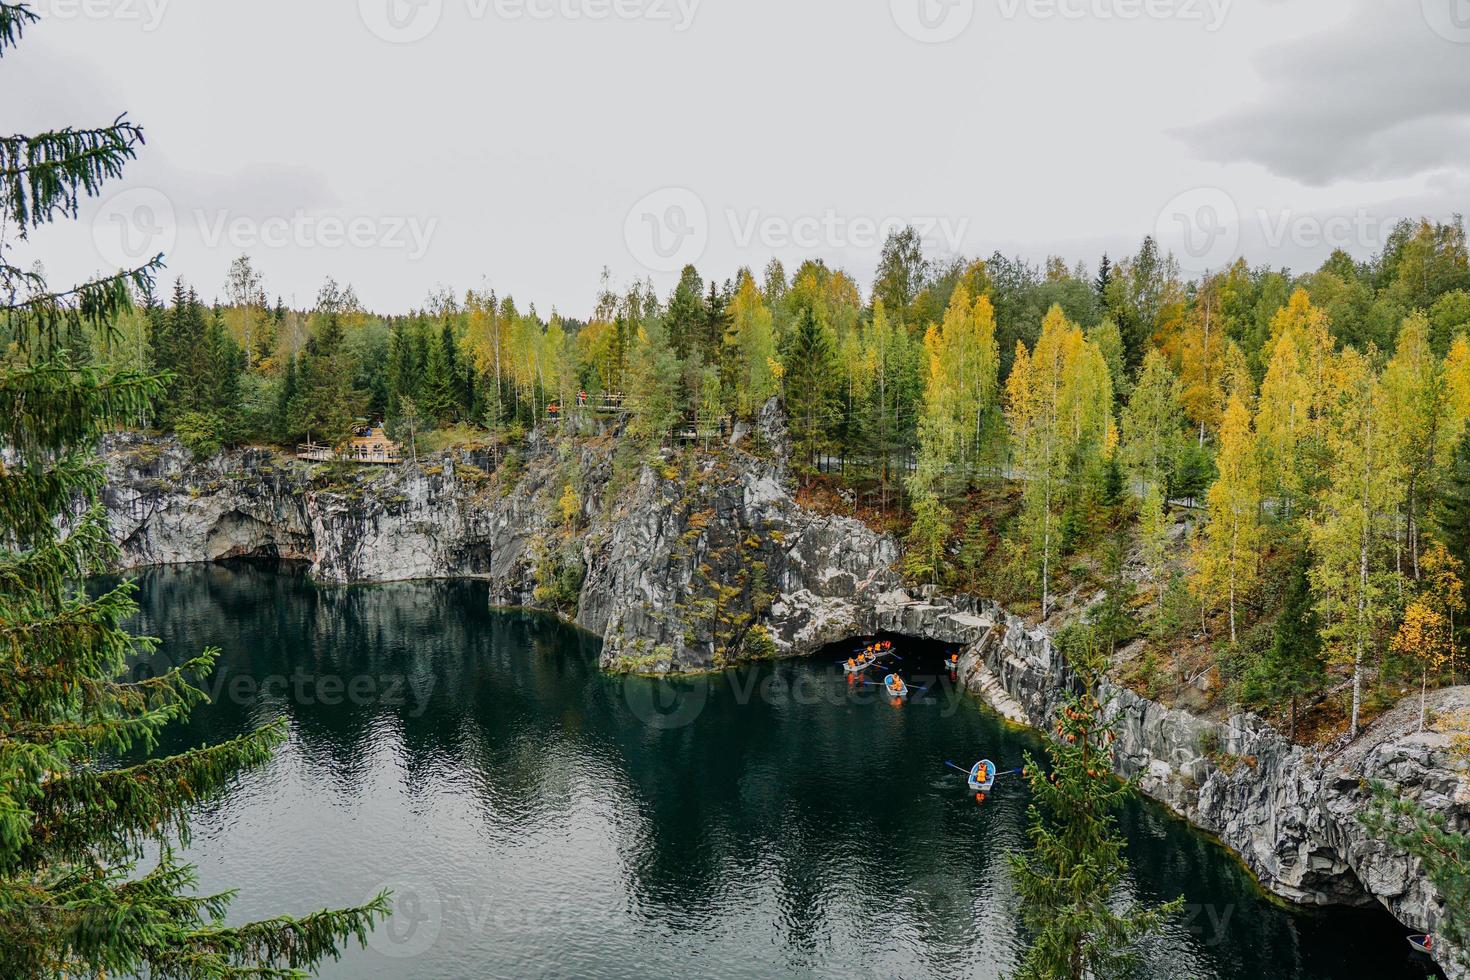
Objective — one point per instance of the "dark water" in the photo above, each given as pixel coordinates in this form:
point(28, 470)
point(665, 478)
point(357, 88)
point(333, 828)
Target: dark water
point(536, 818)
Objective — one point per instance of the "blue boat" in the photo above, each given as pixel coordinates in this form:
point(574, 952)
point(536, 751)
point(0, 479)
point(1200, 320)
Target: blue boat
point(982, 776)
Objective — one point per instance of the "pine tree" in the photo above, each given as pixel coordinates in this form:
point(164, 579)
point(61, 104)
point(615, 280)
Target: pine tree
point(810, 370)
point(1443, 856)
point(1069, 880)
point(74, 824)
point(1452, 506)
point(924, 560)
point(1293, 667)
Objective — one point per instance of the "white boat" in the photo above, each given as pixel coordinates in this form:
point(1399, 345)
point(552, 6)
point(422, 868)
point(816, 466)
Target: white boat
point(895, 686)
point(982, 782)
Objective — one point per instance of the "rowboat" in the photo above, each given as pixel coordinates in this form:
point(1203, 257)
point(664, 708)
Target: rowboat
point(895, 686)
point(1422, 944)
point(858, 666)
point(982, 776)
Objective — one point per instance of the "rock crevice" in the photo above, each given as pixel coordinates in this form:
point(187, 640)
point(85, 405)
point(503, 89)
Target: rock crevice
point(682, 570)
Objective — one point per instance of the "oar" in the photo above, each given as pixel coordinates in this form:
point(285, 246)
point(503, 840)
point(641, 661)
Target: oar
point(959, 768)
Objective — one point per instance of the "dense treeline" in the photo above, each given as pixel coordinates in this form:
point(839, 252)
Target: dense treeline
point(1027, 427)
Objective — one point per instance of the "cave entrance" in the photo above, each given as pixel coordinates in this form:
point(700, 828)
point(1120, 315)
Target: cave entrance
point(920, 656)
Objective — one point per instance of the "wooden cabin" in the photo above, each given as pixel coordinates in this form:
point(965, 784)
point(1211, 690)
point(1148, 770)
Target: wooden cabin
point(369, 444)
point(372, 445)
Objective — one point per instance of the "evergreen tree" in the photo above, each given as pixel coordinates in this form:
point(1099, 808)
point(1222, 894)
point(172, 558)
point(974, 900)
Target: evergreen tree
point(439, 389)
point(924, 560)
point(74, 824)
point(687, 318)
point(1452, 510)
point(1443, 856)
point(1293, 666)
point(808, 381)
point(1069, 880)
point(654, 376)
point(325, 405)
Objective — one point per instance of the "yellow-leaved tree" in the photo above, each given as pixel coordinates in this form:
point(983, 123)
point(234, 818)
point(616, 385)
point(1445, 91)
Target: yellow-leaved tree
point(961, 387)
point(1350, 533)
point(1416, 408)
point(1059, 406)
point(1227, 556)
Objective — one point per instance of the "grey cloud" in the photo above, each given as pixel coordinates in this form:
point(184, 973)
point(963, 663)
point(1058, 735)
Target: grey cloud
point(1382, 97)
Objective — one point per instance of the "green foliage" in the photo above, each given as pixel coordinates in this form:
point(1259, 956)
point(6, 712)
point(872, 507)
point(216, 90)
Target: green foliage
point(201, 433)
point(1293, 666)
point(559, 574)
point(924, 558)
point(1443, 855)
point(810, 372)
point(1069, 880)
point(75, 825)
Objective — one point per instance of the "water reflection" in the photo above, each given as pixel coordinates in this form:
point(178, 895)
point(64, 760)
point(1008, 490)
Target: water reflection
point(539, 818)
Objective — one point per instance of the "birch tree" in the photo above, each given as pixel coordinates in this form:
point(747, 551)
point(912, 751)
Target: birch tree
point(1227, 556)
point(1351, 579)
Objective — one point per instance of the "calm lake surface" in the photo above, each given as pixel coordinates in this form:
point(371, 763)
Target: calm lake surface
point(536, 818)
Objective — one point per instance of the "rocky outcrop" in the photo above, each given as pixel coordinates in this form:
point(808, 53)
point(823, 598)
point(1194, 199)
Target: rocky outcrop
point(351, 524)
point(689, 564)
point(1290, 812)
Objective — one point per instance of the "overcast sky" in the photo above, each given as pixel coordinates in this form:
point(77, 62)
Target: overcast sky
point(408, 145)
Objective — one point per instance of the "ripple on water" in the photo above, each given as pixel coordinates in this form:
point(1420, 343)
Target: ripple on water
point(532, 825)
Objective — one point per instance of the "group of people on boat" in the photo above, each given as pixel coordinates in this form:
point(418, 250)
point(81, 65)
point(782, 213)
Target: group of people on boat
point(869, 655)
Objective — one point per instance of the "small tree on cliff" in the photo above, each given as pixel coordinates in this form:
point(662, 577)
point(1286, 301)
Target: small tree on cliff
point(74, 823)
point(1443, 854)
point(1069, 879)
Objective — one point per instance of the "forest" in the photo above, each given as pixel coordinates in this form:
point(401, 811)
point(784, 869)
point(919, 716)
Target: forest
point(1265, 475)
